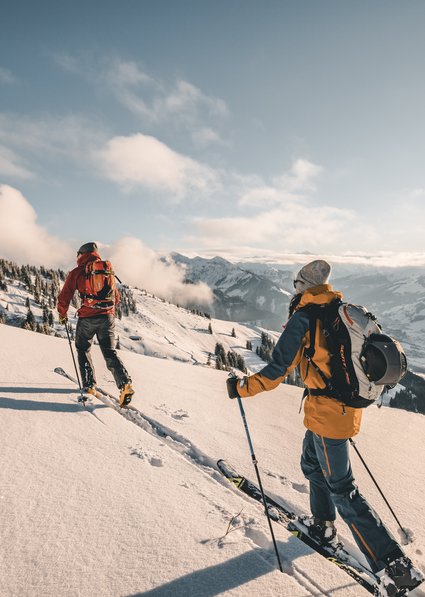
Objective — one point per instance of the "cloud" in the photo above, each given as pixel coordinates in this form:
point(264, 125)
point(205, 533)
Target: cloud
point(285, 218)
point(155, 101)
point(380, 259)
point(418, 193)
point(299, 227)
point(144, 160)
point(289, 187)
point(68, 136)
point(10, 165)
point(22, 239)
point(138, 265)
point(301, 176)
point(205, 135)
point(6, 76)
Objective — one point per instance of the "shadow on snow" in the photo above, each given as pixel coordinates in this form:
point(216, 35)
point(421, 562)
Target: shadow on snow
point(240, 570)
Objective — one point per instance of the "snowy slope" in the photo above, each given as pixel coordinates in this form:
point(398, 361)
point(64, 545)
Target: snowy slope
point(158, 328)
point(96, 506)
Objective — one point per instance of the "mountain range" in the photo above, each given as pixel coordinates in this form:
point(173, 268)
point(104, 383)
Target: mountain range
point(261, 293)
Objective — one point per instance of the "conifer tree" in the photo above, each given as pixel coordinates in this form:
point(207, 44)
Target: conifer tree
point(30, 320)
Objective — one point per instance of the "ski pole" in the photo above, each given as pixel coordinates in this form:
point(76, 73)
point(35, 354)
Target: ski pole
point(260, 485)
point(380, 491)
point(75, 366)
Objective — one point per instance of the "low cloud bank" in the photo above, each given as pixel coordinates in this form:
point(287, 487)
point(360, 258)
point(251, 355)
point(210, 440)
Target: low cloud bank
point(22, 239)
point(138, 265)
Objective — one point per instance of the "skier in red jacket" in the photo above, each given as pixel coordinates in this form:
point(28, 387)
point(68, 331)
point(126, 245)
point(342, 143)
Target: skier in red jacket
point(96, 317)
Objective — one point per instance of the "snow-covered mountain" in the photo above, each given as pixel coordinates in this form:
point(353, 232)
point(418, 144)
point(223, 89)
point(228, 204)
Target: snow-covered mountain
point(395, 295)
point(240, 294)
point(95, 505)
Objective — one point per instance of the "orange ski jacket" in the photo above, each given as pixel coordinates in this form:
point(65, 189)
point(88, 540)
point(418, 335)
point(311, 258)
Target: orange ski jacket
point(322, 415)
point(76, 280)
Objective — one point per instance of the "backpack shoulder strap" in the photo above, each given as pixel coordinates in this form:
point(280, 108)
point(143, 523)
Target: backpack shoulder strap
point(314, 312)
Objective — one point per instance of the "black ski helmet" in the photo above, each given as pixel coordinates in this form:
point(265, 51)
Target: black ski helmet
point(383, 360)
point(87, 248)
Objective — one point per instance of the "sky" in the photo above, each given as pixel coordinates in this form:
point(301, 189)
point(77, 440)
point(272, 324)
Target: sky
point(241, 128)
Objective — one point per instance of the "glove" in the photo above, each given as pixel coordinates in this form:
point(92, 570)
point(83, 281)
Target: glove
point(63, 320)
point(232, 384)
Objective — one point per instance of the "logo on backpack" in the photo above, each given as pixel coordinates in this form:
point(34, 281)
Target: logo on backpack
point(363, 360)
point(100, 285)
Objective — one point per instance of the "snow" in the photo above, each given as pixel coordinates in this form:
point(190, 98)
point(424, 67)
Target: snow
point(98, 506)
point(160, 329)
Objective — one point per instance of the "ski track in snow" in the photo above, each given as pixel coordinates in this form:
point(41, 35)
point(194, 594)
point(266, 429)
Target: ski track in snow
point(248, 528)
point(257, 536)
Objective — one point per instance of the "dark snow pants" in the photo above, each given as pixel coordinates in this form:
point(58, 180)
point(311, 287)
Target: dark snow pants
point(326, 464)
point(102, 326)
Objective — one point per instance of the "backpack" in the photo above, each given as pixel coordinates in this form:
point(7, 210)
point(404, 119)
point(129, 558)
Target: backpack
point(363, 360)
point(100, 285)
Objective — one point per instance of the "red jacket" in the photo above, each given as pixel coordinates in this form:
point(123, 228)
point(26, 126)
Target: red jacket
point(76, 280)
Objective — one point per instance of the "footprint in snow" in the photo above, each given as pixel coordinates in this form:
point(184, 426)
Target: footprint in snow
point(178, 415)
point(301, 487)
point(282, 479)
point(152, 459)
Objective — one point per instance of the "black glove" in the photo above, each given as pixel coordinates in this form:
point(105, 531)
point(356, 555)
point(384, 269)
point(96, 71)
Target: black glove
point(232, 383)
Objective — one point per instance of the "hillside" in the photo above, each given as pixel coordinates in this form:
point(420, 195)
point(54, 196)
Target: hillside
point(97, 506)
point(151, 326)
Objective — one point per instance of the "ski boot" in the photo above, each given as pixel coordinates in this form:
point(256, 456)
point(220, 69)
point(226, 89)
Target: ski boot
point(126, 394)
point(87, 391)
point(399, 577)
point(322, 531)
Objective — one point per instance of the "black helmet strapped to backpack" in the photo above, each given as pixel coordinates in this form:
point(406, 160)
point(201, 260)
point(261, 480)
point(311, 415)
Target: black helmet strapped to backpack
point(383, 360)
point(363, 360)
point(87, 248)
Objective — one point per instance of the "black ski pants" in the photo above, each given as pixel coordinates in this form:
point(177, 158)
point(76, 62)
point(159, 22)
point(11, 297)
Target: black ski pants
point(103, 327)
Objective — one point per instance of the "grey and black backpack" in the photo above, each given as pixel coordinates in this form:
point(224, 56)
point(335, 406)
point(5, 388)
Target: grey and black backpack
point(363, 360)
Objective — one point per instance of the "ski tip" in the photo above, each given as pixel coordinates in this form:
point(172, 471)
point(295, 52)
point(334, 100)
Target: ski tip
point(58, 370)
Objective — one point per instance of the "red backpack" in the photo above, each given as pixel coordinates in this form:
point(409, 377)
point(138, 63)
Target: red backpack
point(100, 285)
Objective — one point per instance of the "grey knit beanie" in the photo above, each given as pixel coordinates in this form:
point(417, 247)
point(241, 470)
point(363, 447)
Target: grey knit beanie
point(313, 274)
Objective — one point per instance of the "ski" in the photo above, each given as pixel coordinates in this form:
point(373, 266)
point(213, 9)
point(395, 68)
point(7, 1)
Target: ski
point(102, 395)
point(340, 557)
point(87, 405)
